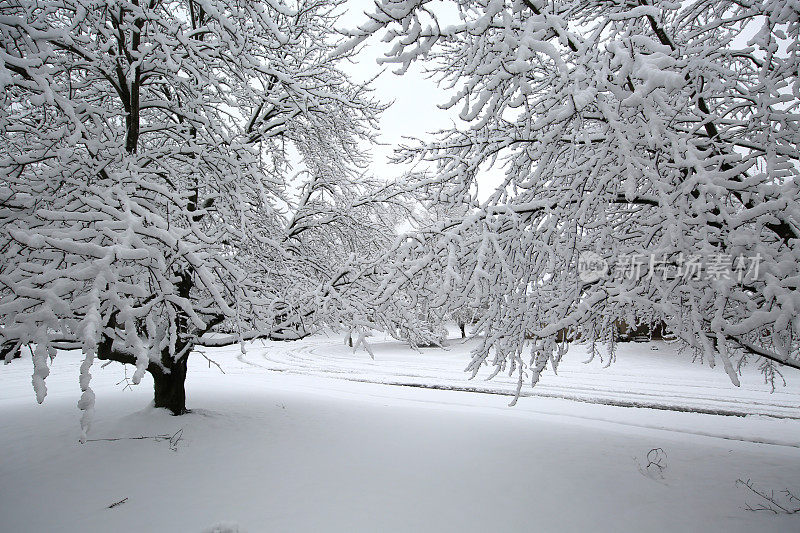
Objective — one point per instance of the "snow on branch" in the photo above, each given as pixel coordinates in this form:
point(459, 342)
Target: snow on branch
point(658, 138)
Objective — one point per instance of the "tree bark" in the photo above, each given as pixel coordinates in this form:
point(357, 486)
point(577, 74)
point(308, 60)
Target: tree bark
point(169, 381)
point(169, 378)
point(169, 387)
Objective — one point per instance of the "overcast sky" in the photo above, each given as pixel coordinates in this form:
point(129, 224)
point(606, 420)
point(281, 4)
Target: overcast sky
point(414, 111)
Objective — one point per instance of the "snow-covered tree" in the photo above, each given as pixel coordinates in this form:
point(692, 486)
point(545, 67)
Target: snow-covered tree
point(656, 135)
point(145, 199)
point(427, 285)
point(340, 232)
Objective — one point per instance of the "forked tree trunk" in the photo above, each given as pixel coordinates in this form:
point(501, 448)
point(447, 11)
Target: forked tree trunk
point(169, 382)
point(169, 388)
point(169, 378)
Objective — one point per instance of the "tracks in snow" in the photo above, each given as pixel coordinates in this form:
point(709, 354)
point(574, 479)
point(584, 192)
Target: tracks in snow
point(684, 388)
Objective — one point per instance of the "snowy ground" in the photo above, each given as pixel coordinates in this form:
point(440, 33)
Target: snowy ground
point(308, 436)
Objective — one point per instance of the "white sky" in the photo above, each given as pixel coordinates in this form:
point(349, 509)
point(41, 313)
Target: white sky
point(414, 111)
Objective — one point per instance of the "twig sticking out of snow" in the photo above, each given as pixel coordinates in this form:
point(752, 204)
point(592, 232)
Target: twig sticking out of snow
point(123, 500)
point(656, 464)
point(173, 439)
point(771, 502)
point(126, 379)
point(211, 361)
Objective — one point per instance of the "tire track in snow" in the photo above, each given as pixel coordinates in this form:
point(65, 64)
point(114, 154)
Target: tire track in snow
point(669, 394)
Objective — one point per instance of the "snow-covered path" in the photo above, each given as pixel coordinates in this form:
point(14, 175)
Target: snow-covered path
point(307, 437)
point(652, 375)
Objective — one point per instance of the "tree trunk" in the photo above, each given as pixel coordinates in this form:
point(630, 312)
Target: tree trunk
point(169, 381)
point(169, 377)
point(169, 387)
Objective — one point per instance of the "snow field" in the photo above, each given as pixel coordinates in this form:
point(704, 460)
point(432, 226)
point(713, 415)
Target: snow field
point(308, 449)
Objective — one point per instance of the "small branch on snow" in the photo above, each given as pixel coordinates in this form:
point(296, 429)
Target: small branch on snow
point(771, 502)
point(173, 439)
point(656, 464)
point(123, 500)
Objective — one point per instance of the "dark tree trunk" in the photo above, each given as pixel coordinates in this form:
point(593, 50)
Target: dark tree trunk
point(169, 387)
point(169, 378)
